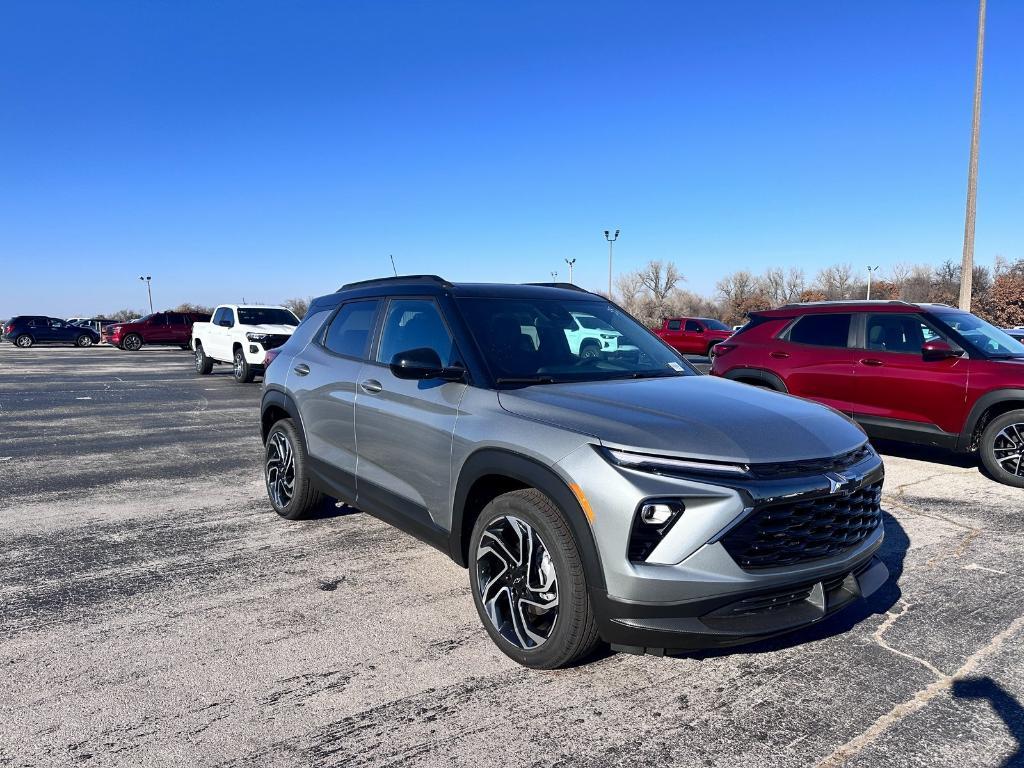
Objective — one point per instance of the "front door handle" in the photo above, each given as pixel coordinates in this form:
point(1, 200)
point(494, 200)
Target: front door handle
point(871, 361)
point(302, 369)
point(371, 386)
point(779, 355)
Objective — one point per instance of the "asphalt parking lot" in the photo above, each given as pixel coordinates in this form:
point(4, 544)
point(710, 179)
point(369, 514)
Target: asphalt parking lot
point(155, 612)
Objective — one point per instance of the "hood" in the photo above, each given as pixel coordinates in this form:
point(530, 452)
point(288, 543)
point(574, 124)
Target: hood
point(280, 330)
point(695, 416)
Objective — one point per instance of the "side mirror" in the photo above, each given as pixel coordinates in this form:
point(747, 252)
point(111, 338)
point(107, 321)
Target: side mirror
point(938, 350)
point(423, 363)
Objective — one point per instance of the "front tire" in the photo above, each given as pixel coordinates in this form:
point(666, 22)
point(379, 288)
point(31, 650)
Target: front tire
point(83, 341)
point(203, 364)
point(243, 372)
point(528, 582)
point(24, 341)
point(590, 351)
point(285, 471)
point(1002, 448)
point(132, 342)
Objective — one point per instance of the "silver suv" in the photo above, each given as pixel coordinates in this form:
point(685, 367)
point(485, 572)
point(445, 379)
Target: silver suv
point(621, 497)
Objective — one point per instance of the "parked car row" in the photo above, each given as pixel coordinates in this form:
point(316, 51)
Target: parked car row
point(157, 329)
point(27, 330)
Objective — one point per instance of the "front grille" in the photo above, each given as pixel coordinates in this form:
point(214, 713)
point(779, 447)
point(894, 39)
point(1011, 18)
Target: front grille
point(276, 340)
point(812, 466)
point(797, 532)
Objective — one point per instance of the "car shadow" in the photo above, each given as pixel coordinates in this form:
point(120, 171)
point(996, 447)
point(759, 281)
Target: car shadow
point(892, 552)
point(925, 453)
point(329, 509)
point(1003, 704)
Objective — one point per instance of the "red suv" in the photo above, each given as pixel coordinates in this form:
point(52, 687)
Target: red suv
point(168, 328)
point(692, 335)
point(920, 373)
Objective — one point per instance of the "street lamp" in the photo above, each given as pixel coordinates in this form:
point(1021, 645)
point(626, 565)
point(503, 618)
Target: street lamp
point(147, 279)
point(554, 277)
point(610, 240)
point(570, 262)
point(870, 270)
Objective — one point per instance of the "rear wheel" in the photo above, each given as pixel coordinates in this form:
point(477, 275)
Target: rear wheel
point(243, 372)
point(132, 342)
point(83, 341)
point(1002, 448)
point(285, 471)
point(24, 341)
point(528, 582)
point(203, 364)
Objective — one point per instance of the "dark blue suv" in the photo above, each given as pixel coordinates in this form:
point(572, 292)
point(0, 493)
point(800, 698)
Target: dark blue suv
point(26, 330)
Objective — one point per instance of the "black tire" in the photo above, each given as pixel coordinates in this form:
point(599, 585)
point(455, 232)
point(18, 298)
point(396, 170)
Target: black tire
point(573, 633)
point(590, 350)
point(203, 364)
point(132, 342)
point(304, 497)
point(85, 340)
point(1002, 448)
point(711, 346)
point(242, 371)
point(24, 341)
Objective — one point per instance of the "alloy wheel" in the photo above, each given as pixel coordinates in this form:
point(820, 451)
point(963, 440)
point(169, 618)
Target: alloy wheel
point(132, 343)
point(199, 360)
point(24, 341)
point(280, 469)
point(1008, 449)
point(516, 582)
point(239, 362)
point(84, 341)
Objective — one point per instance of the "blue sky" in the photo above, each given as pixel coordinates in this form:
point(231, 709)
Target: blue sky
point(265, 150)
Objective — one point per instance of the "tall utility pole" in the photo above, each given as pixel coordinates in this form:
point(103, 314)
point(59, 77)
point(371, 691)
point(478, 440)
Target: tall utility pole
point(967, 267)
point(611, 240)
point(570, 262)
point(148, 281)
point(870, 270)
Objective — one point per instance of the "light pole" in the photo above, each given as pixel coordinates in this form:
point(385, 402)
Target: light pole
point(570, 262)
point(148, 280)
point(870, 270)
point(967, 267)
point(610, 240)
point(554, 277)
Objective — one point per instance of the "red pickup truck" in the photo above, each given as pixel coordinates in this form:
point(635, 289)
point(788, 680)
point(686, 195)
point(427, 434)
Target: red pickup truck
point(693, 335)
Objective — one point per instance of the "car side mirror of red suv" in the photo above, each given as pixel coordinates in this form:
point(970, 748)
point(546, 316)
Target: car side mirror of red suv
point(938, 350)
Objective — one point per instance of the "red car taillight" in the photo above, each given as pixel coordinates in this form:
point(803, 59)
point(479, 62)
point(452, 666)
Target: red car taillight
point(9, 328)
point(269, 355)
point(720, 349)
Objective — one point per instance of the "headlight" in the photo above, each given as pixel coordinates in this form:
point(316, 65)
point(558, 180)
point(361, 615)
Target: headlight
point(648, 463)
point(257, 336)
point(607, 335)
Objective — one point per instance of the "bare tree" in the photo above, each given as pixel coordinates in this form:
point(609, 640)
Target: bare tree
point(299, 306)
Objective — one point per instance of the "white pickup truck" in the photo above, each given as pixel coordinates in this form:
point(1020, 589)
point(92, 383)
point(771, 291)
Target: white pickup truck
point(241, 334)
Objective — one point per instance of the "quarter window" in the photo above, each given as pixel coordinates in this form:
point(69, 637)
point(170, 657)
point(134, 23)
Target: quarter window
point(349, 331)
point(415, 324)
point(829, 330)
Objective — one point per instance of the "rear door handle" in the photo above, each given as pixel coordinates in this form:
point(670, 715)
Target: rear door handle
point(371, 386)
point(872, 362)
point(779, 355)
point(302, 369)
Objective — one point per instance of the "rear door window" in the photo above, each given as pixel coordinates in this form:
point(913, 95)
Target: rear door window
point(350, 330)
point(693, 326)
point(675, 325)
point(826, 330)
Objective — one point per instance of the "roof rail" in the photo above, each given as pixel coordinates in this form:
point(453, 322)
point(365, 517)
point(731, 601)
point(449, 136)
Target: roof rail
point(845, 301)
point(398, 280)
point(566, 286)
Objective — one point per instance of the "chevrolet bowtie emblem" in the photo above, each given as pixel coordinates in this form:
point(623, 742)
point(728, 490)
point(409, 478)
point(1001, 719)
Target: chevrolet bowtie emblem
point(838, 482)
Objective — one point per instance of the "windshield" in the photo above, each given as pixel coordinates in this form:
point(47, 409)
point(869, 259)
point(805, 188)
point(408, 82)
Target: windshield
point(716, 325)
point(266, 316)
point(986, 337)
point(143, 319)
point(536, 341)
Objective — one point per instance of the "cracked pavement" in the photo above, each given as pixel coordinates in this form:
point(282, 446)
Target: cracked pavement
point(155, 612)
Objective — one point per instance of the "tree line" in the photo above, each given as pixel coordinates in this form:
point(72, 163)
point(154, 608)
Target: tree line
point(655, 291)
point(297, 305)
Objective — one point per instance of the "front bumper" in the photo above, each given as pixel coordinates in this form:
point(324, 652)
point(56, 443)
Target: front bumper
point(735, 619)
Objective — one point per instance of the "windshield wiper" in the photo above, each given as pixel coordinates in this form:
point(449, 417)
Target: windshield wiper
point(654, 374)
point(524, 380)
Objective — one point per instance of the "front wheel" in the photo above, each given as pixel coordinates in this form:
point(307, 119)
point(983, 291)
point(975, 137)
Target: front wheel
point(243, 372)
point(24, 341)
point(1002, 448)
point(590, 352)
point(83, 341)
point(286, 474)
point(132, 342)
point(528, 582)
